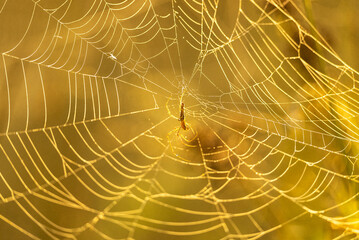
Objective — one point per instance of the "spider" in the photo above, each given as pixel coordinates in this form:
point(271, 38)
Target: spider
point(181, 118)
point(185, 141)
point(183, 125)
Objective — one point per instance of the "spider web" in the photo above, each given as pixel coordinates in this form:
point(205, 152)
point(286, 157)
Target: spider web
point(90, 96)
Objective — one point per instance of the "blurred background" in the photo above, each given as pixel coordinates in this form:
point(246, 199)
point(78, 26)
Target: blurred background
point(90, 141)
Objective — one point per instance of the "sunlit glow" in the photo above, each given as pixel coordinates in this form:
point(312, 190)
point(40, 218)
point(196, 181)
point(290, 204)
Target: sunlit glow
point(91, 146)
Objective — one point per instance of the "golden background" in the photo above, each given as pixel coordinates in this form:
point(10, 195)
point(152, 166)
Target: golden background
point(90, 94)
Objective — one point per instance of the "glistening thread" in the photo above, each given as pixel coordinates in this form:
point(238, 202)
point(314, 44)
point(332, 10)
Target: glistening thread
point(174, 120)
